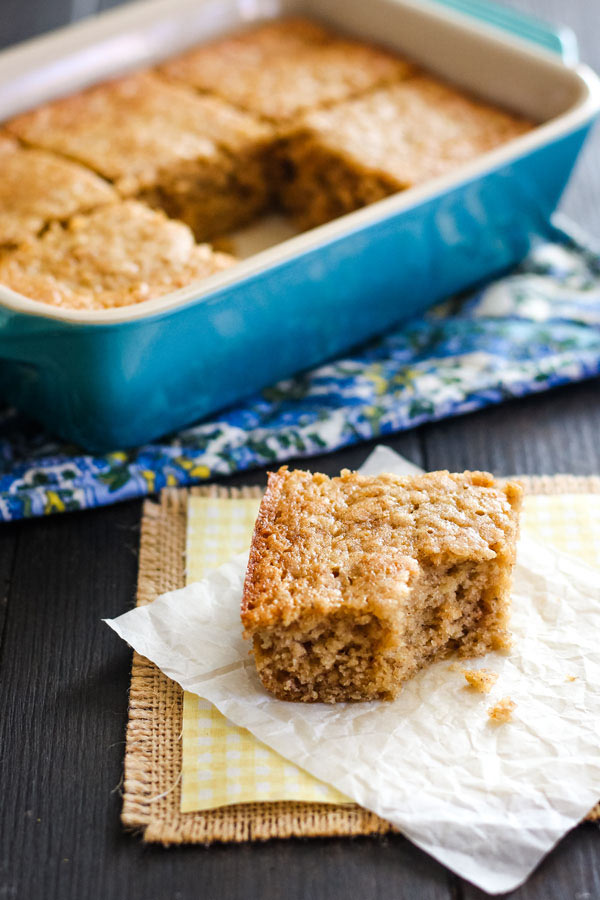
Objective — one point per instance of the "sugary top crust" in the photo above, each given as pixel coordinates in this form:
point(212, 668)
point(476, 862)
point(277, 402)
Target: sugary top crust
point(118, 254)
point(37, 187)
point(411, 131)
point(320, 542)
point(134, 129)
point(281, 69)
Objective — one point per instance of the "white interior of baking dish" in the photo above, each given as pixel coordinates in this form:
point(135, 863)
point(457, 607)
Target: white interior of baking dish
point(498, 67)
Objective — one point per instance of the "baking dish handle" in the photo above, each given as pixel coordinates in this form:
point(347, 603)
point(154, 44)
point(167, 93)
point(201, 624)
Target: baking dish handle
point(557, 38)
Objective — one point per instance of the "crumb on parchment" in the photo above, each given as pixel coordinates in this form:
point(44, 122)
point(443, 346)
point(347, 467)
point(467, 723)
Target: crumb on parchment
point(502, 711)
point(571, 678)
point(481, 680)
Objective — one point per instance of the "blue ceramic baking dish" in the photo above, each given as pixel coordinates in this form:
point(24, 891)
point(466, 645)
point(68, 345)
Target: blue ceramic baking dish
point(117, 378)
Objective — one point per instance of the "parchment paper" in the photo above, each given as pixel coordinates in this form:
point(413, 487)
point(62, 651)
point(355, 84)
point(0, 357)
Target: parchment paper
point(488, 801)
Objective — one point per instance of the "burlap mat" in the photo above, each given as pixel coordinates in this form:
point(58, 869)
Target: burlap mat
point(151, 798)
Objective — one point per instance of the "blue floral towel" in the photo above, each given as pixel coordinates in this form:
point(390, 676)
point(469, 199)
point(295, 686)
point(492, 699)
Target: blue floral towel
point(529, 331)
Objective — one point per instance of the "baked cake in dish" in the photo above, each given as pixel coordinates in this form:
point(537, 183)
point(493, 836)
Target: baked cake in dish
point(118, 254)
point(357, 152)
point(355, 583)
point(284, 68)
point(285, 115)
point(197, 157)
point(37, 188)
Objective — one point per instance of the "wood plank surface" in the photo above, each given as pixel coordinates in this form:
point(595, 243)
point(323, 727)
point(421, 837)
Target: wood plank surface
point(64, 675)
point(545, 434)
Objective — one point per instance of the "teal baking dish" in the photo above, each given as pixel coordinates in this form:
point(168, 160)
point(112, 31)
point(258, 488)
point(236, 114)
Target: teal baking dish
point(118, 378)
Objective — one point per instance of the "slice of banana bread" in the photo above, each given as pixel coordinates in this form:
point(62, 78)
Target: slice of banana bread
point(355, 583)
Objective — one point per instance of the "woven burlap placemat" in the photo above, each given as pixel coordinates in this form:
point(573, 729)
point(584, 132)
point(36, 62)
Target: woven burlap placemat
point(151, 791)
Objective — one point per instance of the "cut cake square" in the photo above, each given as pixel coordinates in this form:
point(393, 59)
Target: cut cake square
point(197, 157)
point(281, 69)
point(37, 187)
point(360, 151)
point(118, 254)
point(355, 583)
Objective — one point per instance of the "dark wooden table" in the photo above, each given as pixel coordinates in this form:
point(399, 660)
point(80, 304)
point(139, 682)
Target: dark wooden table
point(65, 676)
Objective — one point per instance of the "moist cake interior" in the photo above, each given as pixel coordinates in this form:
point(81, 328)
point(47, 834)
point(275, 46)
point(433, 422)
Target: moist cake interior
point(448, 610)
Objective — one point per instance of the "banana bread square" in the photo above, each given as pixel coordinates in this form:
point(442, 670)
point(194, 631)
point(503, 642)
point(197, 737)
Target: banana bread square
point(37, 188)
point(360, 151)
point(118, 254)
point(196, 157)
point(355, 583)
point(280, 69)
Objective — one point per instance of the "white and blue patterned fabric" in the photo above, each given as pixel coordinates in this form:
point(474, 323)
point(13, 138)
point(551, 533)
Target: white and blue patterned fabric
point(533, 329)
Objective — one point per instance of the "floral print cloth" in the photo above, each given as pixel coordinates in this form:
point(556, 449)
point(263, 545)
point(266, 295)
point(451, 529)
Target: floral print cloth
point(531, 330)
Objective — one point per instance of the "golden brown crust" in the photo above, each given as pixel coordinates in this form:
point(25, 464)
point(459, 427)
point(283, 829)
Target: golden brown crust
point(37, 187)
point(139, 130)
point(309, 524)
point(258, 546)
point(415, 129)
point(386, 141)
point(119, 254)
point(281, 69)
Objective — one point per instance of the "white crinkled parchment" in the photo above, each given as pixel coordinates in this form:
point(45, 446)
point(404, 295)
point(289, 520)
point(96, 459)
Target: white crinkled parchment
point(488, 801)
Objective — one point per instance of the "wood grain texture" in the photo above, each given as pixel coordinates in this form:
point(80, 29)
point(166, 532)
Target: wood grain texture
point(64, 675)
point(64, 686)
point(541, 434)
point(8, 546)
point(570, 872)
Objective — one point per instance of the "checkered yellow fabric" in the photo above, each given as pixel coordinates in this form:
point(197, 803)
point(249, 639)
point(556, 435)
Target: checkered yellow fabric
point(570, 522)
point(217, 529)
point(224, 764)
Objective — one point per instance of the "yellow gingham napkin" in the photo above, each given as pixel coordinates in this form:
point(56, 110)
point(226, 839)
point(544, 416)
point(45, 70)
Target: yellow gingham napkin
point(570, 522)
point(224, 764)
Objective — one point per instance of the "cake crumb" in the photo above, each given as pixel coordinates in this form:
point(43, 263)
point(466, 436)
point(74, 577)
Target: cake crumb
point(571, 678)
point(502, 711)
point(481, 680)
